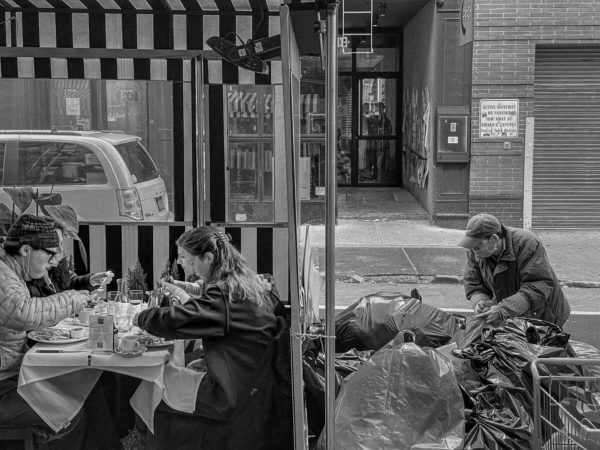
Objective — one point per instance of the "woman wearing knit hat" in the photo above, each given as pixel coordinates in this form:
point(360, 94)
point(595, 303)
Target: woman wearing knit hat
point(29, 250)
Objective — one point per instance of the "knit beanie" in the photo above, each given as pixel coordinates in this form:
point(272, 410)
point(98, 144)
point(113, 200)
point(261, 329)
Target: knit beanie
point(39, 232)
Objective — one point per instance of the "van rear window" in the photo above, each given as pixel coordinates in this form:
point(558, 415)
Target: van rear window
point(138, 161)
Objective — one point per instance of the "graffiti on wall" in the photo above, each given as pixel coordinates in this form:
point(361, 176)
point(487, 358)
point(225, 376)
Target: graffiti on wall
point(416, 111)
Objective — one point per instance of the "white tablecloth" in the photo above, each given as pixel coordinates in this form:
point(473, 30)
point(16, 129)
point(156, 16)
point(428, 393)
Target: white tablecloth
point(56, 385)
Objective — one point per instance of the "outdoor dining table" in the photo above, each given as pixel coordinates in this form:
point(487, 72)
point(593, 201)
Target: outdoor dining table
point(56, 383)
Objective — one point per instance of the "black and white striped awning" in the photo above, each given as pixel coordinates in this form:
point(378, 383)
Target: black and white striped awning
point(176, 25)
point(142, 5)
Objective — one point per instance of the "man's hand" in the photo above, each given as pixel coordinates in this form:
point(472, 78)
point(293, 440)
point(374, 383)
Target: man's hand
point(483, 305)
point(493, 316)
point(98, 278)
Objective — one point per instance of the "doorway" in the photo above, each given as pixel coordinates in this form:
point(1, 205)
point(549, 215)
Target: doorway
point(368, 115)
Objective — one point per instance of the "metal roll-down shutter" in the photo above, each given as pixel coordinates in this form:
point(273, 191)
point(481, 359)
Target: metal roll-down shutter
point(566, 156)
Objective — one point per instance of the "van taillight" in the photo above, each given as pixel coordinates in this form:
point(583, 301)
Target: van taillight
point(130, 204)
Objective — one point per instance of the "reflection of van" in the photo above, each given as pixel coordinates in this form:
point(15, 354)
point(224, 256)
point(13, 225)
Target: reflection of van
point(104, 176)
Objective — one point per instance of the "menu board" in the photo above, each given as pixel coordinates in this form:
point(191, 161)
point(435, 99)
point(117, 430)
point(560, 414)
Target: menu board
point(499, 118)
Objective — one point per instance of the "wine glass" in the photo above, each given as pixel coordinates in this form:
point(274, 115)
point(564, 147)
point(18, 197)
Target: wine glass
point(135, 301)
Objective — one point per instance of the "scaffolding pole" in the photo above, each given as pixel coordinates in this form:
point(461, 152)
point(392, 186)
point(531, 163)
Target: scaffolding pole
point(330, 218)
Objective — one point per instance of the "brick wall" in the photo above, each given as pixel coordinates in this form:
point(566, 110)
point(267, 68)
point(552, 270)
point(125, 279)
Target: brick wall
point(506, 33)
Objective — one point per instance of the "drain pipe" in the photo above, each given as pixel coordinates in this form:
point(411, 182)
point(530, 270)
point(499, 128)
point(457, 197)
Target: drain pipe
point(330, 203)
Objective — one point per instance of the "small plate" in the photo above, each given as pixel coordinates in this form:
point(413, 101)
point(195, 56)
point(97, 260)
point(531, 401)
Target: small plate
point(155, 342)
point(139, 352)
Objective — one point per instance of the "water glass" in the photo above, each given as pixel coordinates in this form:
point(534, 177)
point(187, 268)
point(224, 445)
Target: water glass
point(154, 298)
point(135, 301)
point(113, 298)
point(123, 323)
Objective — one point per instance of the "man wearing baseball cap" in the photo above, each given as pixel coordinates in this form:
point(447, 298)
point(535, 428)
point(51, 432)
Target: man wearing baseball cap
point(508, 274)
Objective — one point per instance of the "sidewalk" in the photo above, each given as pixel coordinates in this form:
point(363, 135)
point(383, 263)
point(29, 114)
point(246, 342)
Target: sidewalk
point(417, 251)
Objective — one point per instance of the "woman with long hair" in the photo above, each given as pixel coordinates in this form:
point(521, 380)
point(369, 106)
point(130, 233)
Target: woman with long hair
point(234, 317)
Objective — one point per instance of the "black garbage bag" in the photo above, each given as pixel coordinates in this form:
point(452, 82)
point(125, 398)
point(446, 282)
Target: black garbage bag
point(506, 352)
point(504, 357)
point(496, 418)
point(376, 319)
point(313, 373)
point(536, 331)
point(470, 333)
point(403, 397)
point(578, 349)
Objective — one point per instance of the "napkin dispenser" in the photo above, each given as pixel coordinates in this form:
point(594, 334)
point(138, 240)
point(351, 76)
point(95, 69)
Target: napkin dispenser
point(102, 333)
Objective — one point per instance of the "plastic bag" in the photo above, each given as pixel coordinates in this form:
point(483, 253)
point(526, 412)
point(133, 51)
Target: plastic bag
point(404, 397)
point(497, 419)
point(313, 373)
point(376, 319)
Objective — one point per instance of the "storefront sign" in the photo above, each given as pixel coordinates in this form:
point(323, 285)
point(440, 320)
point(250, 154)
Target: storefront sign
point(466, 23)
point(498, 118)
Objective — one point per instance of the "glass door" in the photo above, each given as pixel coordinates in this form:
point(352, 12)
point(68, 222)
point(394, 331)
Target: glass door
point(376, 160)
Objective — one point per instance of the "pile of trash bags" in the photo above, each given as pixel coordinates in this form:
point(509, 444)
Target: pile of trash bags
point(411, 376)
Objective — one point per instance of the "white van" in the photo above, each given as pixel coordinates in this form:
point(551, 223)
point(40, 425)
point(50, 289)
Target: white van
point(104, 176)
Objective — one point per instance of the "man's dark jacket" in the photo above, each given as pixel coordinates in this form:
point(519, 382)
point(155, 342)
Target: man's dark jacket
point(523, 269)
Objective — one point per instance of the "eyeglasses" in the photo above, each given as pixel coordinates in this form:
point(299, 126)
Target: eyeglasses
point(53, 255)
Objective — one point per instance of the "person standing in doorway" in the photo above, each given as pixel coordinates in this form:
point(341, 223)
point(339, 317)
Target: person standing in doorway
point(384, 128)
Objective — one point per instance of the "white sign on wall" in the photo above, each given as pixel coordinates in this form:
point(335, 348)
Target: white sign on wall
point(499, 118)
point(72, 106)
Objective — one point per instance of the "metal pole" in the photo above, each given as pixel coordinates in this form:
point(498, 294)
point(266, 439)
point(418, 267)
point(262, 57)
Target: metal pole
point(330, 203)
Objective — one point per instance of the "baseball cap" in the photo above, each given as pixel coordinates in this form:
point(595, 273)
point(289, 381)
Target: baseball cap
point(479, 227)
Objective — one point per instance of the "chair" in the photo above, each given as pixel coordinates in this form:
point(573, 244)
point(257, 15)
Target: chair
point(24, 434)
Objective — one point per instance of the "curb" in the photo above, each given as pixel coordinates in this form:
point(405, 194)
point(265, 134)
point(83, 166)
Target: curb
point(436, 279)
point(580, 284)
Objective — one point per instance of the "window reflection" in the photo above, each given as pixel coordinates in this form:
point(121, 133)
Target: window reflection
point(135, 107)
point(250, 153)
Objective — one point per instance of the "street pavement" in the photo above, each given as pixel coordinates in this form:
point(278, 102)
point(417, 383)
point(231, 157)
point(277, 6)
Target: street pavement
point(374, 255)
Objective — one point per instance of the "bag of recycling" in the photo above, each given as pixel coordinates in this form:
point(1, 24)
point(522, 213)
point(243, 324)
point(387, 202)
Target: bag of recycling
point(403, 397)
point(376, 319)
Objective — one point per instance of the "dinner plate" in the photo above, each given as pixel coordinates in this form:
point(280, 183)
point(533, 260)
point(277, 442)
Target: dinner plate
point(40, 336)
point(139, 352)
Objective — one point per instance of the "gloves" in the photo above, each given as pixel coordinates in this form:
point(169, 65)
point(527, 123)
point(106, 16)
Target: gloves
point(482, 303)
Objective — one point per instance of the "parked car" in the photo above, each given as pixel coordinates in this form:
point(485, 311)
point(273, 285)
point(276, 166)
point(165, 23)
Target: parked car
point(104, 176)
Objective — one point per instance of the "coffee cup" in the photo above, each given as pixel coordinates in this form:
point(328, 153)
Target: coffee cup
point(76, 333)
point(130, 344)
point(84, 315)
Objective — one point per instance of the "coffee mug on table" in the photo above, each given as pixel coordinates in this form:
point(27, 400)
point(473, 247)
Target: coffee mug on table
point(130, 344)
point(84, 315)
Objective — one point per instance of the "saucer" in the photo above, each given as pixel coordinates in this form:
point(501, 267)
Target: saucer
point(119, 351)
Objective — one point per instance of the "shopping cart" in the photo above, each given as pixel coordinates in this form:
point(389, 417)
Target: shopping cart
point(566, 407)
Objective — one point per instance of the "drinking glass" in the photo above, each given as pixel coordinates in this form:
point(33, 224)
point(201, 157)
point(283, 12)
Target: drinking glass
point(154, 298)
point(113, 298)
point(135, 302)
point(123, 322)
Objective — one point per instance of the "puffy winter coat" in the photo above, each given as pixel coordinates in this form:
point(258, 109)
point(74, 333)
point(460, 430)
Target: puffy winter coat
point(523, 270)
point(20, 312)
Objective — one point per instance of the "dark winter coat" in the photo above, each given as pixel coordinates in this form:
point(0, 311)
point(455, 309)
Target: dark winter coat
point(234, 399)
point(523, 269)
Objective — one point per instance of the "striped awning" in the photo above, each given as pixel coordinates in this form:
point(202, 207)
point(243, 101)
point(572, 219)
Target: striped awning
point(141, 5)
point(241, 104)
point(310, 103)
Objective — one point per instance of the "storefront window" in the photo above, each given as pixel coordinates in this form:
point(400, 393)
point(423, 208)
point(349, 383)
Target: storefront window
point(139, 113)
point(250, 153)
point(344, 131)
